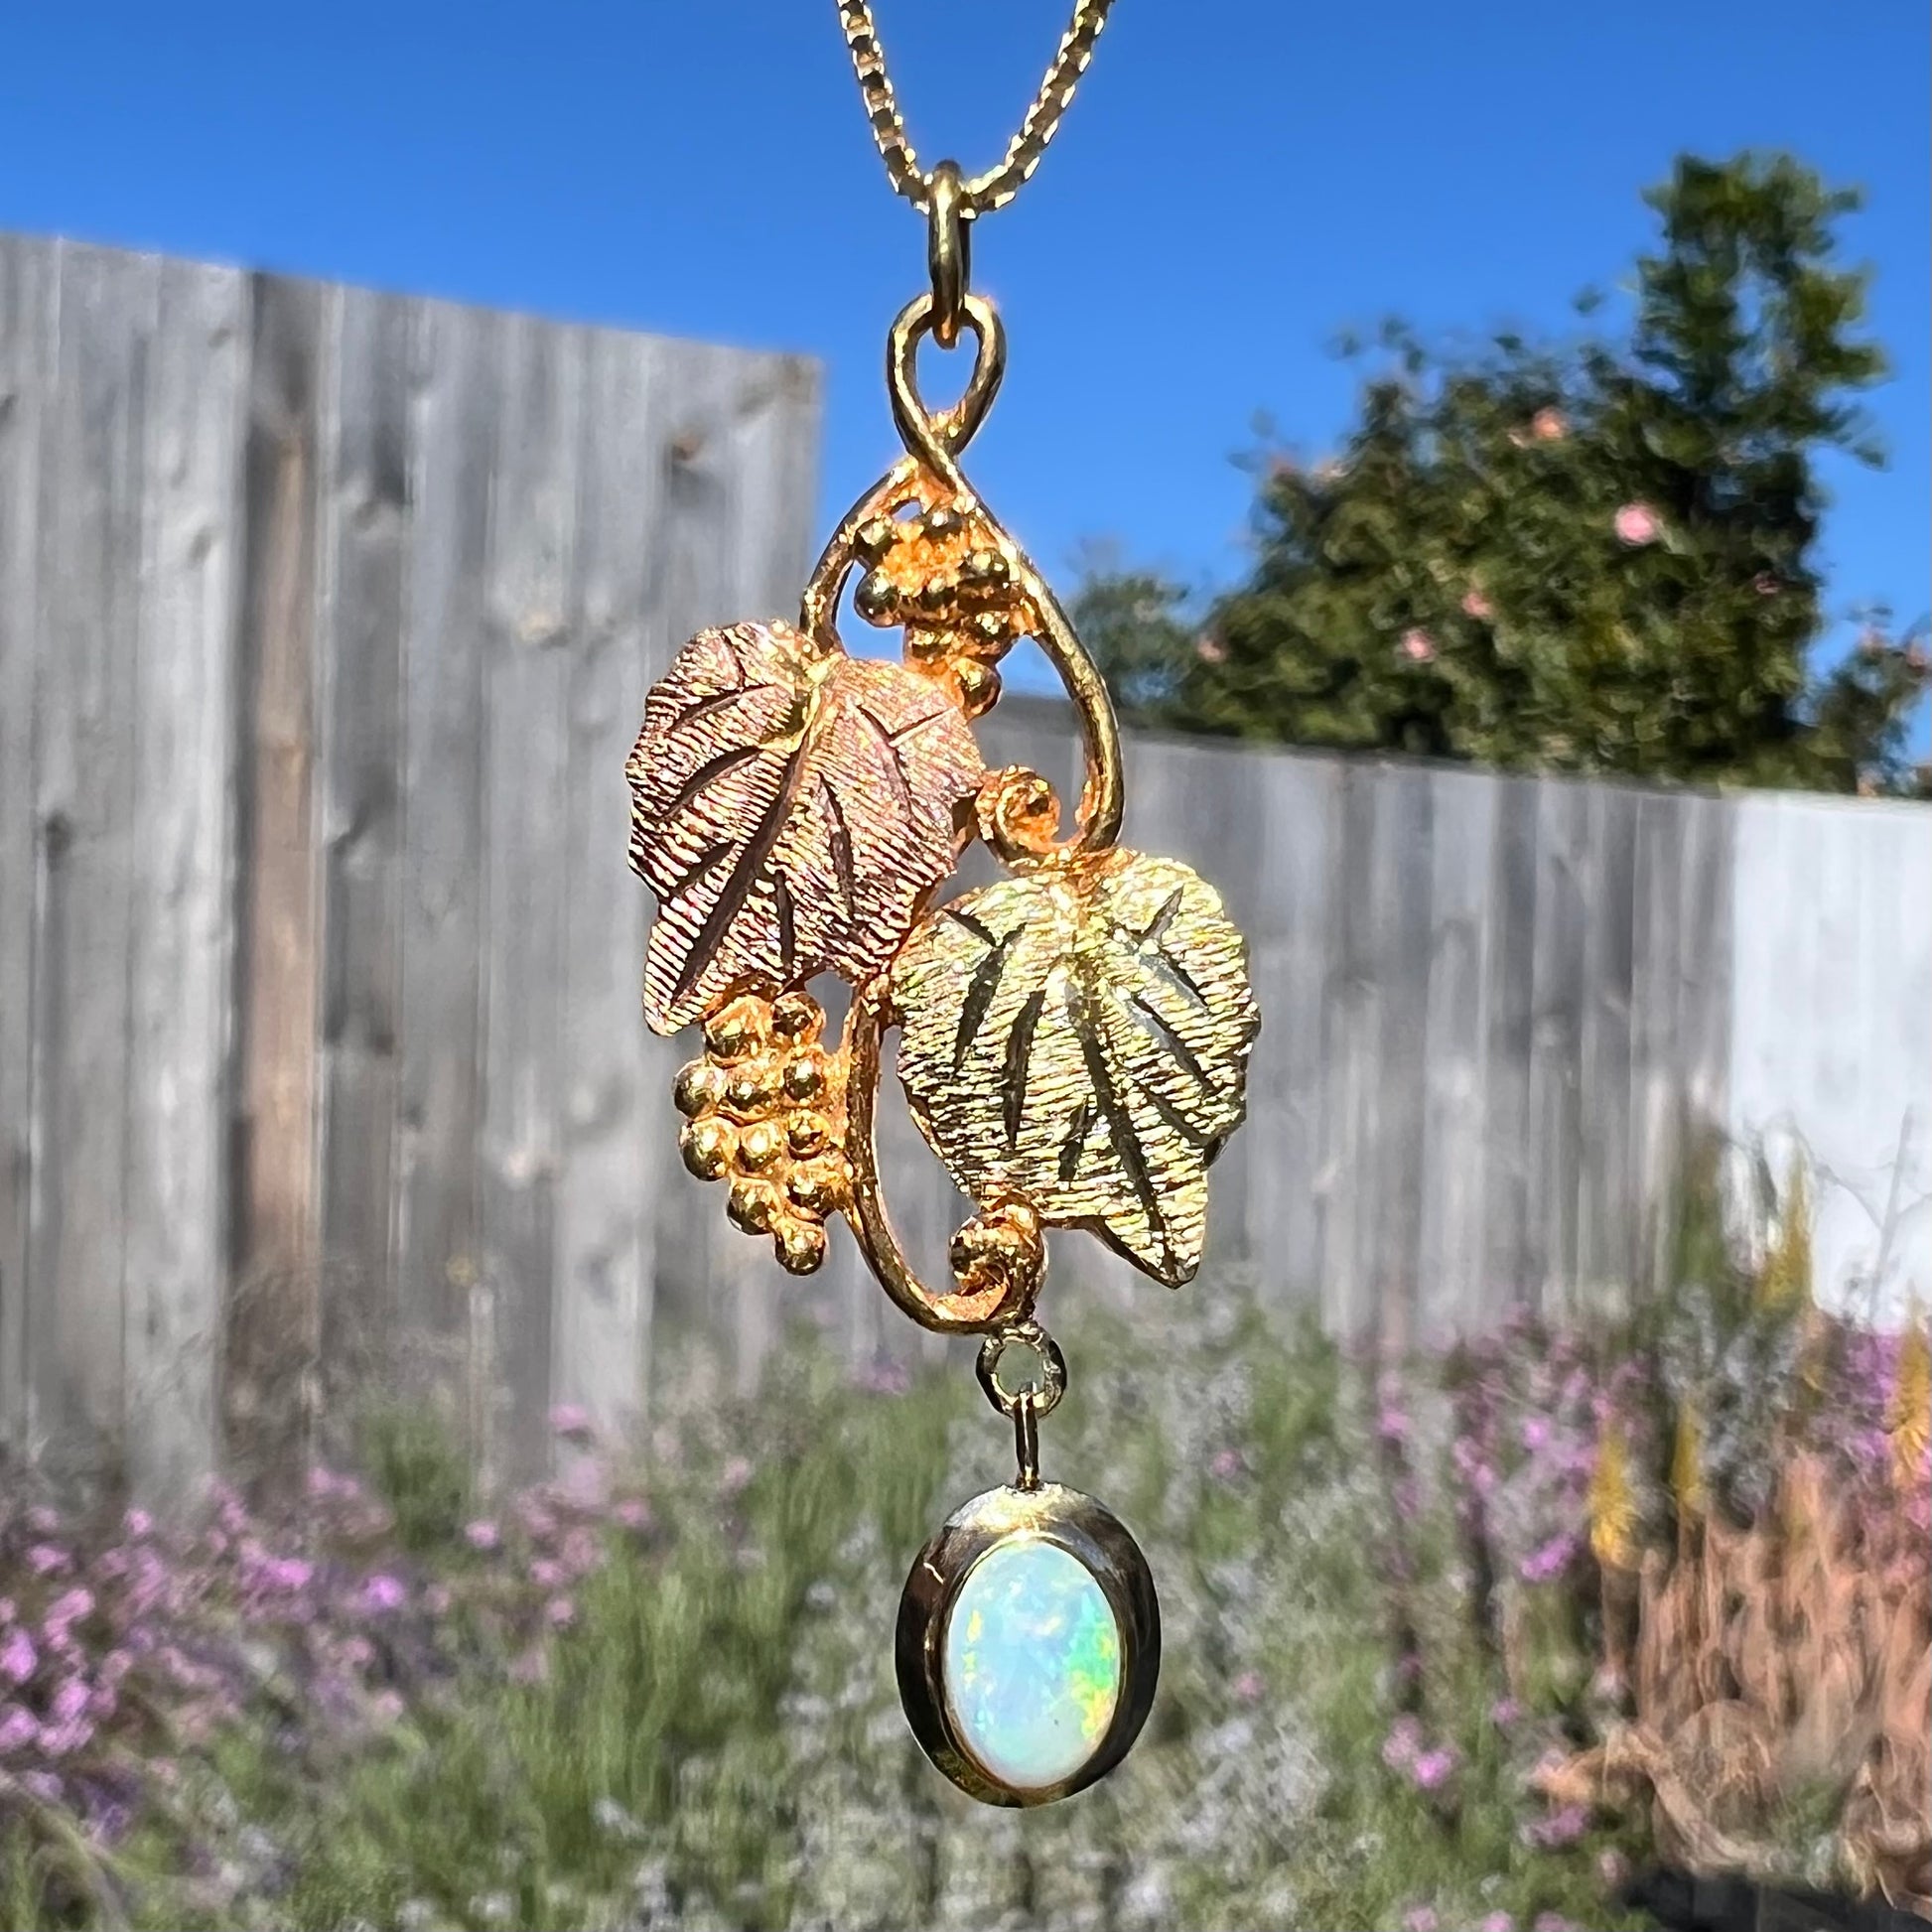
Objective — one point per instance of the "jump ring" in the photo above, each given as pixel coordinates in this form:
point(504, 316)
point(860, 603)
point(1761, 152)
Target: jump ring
point(1043, 1399)
point(948, 252)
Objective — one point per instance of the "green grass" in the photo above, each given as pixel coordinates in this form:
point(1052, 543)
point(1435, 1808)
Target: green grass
point(718, 1741)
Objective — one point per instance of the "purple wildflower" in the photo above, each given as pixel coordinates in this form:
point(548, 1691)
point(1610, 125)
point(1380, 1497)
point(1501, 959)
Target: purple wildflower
point(17, 1657)
point(1403, 1745)
point(482, 1534)
point(1432, 1769)
point(383, 1593)
point(572, 1421)
point(1549, 1560)
point(17, 1728)
point(1563, 1826)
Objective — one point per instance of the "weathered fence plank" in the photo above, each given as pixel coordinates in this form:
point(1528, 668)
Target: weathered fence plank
point(452, 441)
point(615, 1116)
point(91, 479)
point(30, 289)
point(365, 517)
point(180, 958)
point(527, 575)
point(270, 1398)
point(1451, 1283)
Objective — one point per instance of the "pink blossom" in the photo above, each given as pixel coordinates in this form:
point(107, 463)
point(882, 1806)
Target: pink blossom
point(383, 1592)
point(1638, 523)
point(65, 1738)
point(1248, 1686)
point(1504, 1712)
point(138, 1524)
point(632, 1513)
point(1403, 1745)
point(359, 1653)
point(17, 1728)
point(481, 1534)
point(42, 1520)
point(1475, 605)
point(1225, 1465)
point(1563, 1826)
point(1548, 425)
point(1549, 1560)
point(1497, 1922)
point(1418, 647)
point(1432, 1769)
point(288, 1572)
point(49, 1560)
point(884, 1377)
point(545, 1574)
point(1210, 649)
point(570, 1419)
point(17, 1657)
point(5, 1609)
point(70, 1699)
point(1421, 1918)
point(68, 1608)
point(560, 1611)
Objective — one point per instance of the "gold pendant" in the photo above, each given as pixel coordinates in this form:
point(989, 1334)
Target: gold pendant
point(1073, 1040)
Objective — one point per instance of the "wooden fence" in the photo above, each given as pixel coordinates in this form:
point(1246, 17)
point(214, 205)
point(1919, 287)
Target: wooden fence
point(325, 623)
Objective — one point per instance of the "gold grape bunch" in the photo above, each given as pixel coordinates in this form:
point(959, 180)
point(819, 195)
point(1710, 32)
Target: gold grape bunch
point(943, 576)
point(764, 1107)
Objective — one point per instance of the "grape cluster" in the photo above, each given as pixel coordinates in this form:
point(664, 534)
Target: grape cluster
point(944, 577)
point(765, 1107)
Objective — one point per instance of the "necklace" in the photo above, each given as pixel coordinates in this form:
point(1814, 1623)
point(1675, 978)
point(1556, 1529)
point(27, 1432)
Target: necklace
point(1072, 1040)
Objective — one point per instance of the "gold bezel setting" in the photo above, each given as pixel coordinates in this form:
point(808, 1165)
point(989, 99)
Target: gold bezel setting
point(1096, 1539)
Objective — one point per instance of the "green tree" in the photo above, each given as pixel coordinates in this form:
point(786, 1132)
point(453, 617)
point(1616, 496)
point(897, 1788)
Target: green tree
point(1592, 556)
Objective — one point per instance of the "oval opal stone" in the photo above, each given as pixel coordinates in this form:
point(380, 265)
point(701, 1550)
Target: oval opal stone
point(1032, 1663)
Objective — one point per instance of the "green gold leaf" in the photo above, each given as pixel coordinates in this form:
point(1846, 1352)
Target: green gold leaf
point(1078, 1038)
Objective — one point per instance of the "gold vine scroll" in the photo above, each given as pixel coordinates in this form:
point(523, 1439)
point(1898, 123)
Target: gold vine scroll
point(1073, 1040)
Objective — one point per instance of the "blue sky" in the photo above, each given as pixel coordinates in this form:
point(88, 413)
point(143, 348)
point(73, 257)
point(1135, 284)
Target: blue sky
point(1238, 179)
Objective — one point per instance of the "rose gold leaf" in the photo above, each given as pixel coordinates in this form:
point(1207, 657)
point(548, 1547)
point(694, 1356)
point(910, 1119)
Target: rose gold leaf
point(792, 809)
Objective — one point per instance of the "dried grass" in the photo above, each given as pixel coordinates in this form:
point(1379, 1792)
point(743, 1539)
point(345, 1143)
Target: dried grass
point(1778, 1669)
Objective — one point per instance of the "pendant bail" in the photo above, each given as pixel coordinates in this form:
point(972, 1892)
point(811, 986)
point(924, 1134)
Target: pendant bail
point(948, 252)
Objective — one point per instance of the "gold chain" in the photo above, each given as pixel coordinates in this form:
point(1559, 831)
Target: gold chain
point(999, 185)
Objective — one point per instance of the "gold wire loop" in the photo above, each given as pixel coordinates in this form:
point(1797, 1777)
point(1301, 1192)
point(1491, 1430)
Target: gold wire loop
point(955, 1313)
point(949, 253)
point(1041, 1399)
point(936, 439)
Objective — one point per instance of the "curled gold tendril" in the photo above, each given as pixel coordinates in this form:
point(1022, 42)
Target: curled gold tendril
point(1005, 1291)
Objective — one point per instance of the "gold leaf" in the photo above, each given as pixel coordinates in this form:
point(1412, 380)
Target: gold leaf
point(792, 809)
point(1078, 1037)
